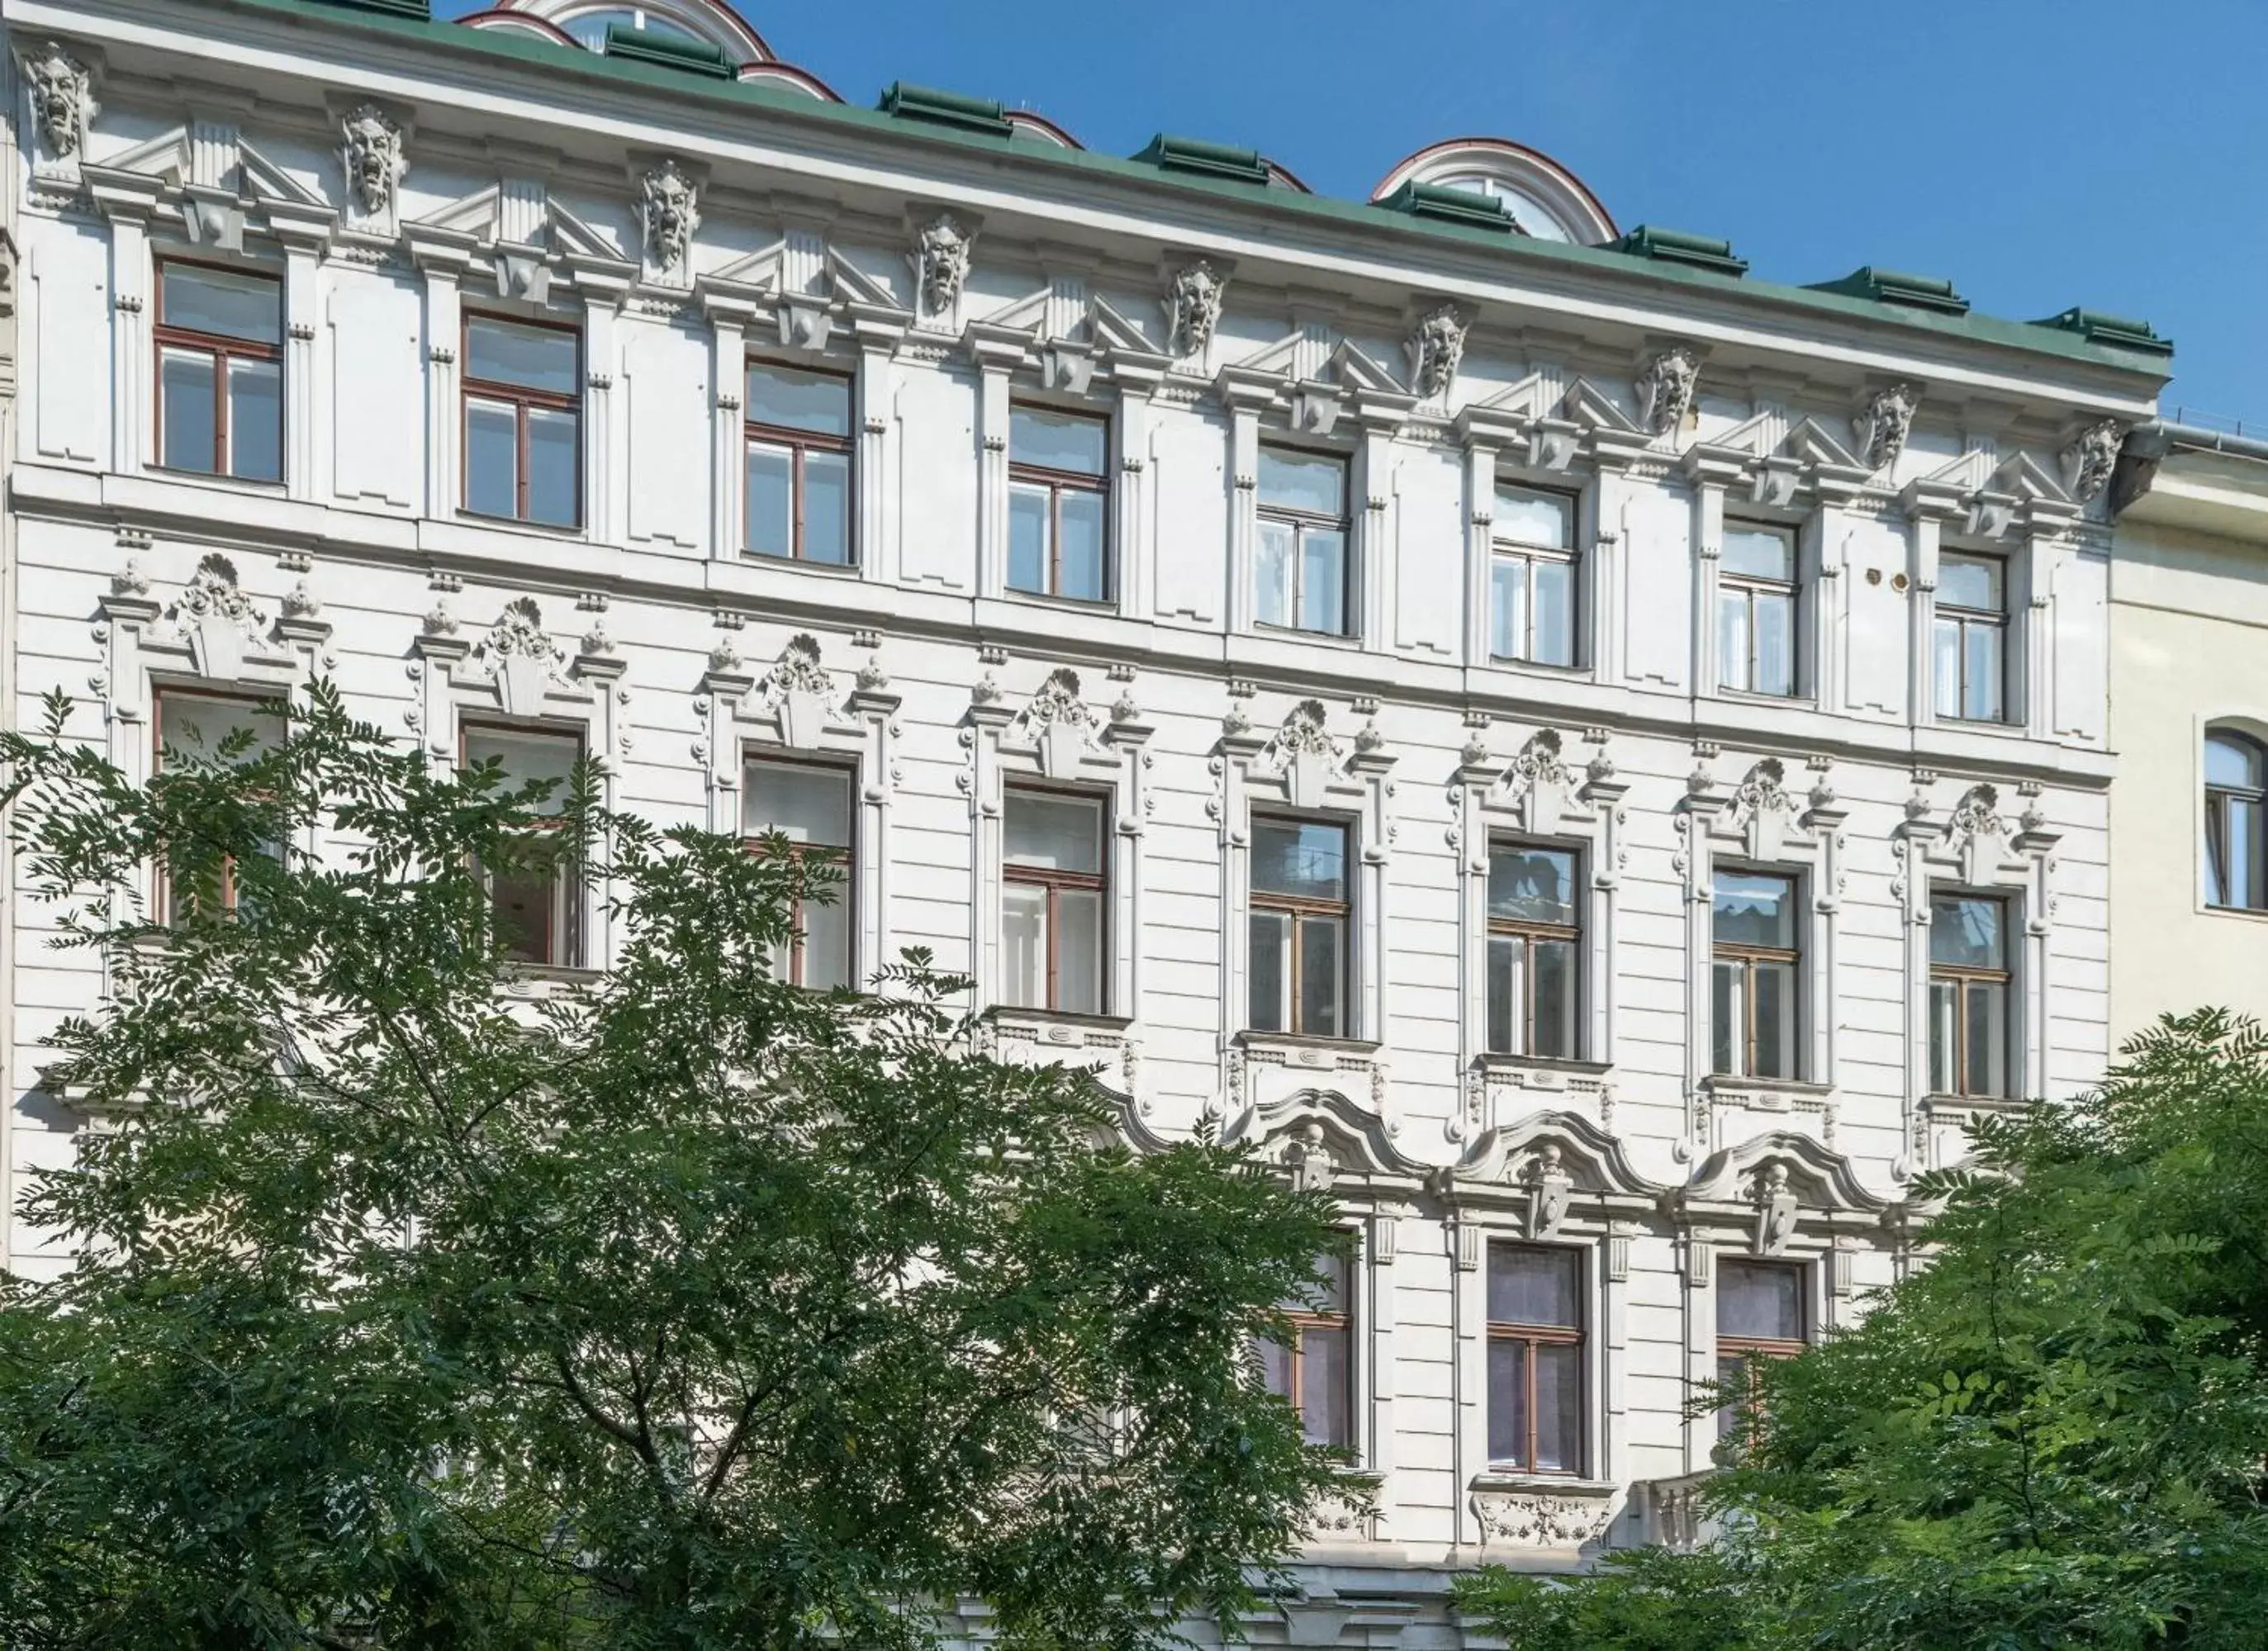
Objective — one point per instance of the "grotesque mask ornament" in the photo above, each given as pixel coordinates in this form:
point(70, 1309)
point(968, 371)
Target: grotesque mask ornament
point(62, 99)
point(941, 256)
point(669, 213)
point(1194, 306)
point(374, 160)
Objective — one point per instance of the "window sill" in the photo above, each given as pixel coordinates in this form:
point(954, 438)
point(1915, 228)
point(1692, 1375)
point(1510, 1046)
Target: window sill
point(236, 483)
point(1768, 1094)
point(1936, 1102)
point(544, 980)
point(552, 529)
point(1295, 633)
point(1517, 1481)
point(1539, 1071)
point(1060, 1028)
point(2242, 914)
point(1751, 696)
point(1050, 599)
point(1999, 725)
point(1301, 1049)
point(1541, 668)
point(1548, 1511)
point(801, 564)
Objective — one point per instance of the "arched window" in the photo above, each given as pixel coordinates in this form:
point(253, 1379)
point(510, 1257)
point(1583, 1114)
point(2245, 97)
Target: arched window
point(2235, 785)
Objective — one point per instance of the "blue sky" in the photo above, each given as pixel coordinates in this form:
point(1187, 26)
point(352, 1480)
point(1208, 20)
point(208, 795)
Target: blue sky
point(2040, 152)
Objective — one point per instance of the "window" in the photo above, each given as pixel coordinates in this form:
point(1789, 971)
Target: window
point(1058, 503)
point(220, 372)
point(535, 903)
point(194, 728)
point(1759, 1316)
point(1051, 897)
point(798, 433)
point(1314, 1369)
point(1534, 952)
point(1756, 611)
point(523, 421)
point(1536, 1359)
point(1301, 571)
point(809, 804)
point(1753, 986)
point(1298, 927)
point(2234, 793)
point(1967, 995)
point(1970, 644)
point(1532, 578)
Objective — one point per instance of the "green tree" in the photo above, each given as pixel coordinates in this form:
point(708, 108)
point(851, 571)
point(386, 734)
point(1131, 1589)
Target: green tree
point(426, 1303)
point(2054, 1436)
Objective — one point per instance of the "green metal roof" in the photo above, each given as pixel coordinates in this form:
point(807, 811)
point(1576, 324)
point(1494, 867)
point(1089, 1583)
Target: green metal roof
point(2102, 347)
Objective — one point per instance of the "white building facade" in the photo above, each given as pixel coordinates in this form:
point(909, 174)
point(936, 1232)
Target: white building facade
point(1598, 760)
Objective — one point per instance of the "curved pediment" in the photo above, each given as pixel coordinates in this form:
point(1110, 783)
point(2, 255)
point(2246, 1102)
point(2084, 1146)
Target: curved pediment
point(1320, 1138)
point(1820, 1178)
point(1591, 1158)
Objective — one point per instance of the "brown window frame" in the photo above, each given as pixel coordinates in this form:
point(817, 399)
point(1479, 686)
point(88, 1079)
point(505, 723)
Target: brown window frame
point(2221, 801)
point(1058, 483)
point(1747, 1348)
point(1748, 587)
point(571, 894)
point(1534, 1336)
point(1994, 619)
point(1300, 907)
point(1962, 977)
point(1502, 548)
point(470, 389)
point(798, 442)
point(1302, 1320)
point(221, 347)
point(1300, 520)
point(1749, 957)
point(846, 856)
point(1531, 931)
point(159, 696)
point(1054, 881)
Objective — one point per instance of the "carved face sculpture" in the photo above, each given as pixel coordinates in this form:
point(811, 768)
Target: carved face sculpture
point(672, 213)
point(944, 265)
point(1667, 388)
point(60, 103)
point(1196, 298)
point(373, 158)
point(1440, 348)
point(1890, 415)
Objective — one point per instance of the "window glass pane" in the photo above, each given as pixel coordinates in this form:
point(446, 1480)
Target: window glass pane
point(255, 420)
point(1758, 1303)
point(1027, 539)
point(1055, 832)
point(1507, 993)
point(1078, 951)
point(815, 402)
point(803, 802)
point(1534, 1287)
point(1298, 856)
point(2229, 761)
point(1988, 1038)
point(1733, 639)
point(1509, 607)
point(1945, 675)
point(224, 301)
point(771, 501)
point(1760, 553)
point(1528, 516)
point(1774, 985)
point(1507, 1402)
point(528, 358)
point(1079, 570)
point(1303, 481)
point(1323, 581)
point(1322, 946)
point(1775, 623)
point(1532, 885)
point(184, 389)
point(827, 941)
point(1268, 971)
point(554, 456)
point(1969, 582)
point(1554, 643)
point(1024, 944)
point(1944, 1034)
point(1056, 441)
point(1755, 908)
point(1727, 1019)
point(1275, 1367)
point(526, 755)
point(2244, 860)
point(1272, 575)
point(1556, 996)
point(1558, 1407)
point(1981, 667)
point(827, 508)
point(2216, 849)
point(529, 913)
point(1324, 1377)
point(1331, 1283)
point(491, 458)
point(1967, 932)
point(1732, 1378)
point(193, 726)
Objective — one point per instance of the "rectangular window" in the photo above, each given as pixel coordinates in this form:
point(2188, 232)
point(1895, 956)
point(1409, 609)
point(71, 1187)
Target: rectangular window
point(1053, 887)
point(194, 728)
point(2236, 797)
point(799, 459)
point(1969, 648)
point(1299, 569)
point(1753, 968)
point(1299, 920)
point(1756, 611)
point(1536, 1359)
point(1759, 1316)
point(1967, 995)
point(536, 906)
point(220, 372)
point(523, 420)
point(809, 804)
point(1535, 951)
point(1058, 503)
point(1314, 1370)
point(1532, 578)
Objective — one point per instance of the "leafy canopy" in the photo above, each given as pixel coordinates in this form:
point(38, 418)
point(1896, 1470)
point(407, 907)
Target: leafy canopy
point(428, 1303)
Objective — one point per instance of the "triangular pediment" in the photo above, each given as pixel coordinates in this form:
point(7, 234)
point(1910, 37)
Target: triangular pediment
point(1588, 405)
point(1115, 332)
point(475, 213)
point(2024, 477)
point(1812, 443)
point(577, 238)
point(1356, 370)
point(263, 179)
point(1529, 398)
point(164, 156)
point(1971, 471)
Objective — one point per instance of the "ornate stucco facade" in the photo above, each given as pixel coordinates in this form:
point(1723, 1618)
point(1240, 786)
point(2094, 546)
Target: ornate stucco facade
point(1453, 525)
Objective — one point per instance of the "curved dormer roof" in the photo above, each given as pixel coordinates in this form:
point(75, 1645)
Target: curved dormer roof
point(1545, 199)
point(709, 23)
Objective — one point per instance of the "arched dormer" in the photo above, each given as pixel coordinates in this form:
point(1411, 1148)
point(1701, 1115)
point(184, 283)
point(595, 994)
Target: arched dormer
point(1545, 199)
point(698, 23)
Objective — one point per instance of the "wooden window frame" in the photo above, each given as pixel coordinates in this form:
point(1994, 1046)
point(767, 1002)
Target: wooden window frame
point(470, 389)
point(799, 442)
point(221, 347)
point(2220, 803)
point(846, 856)
point(1054, 882)
point(159, 696)
point(1749, 957)
point(1058, 483)
point(1964, 619)
point(1300, 522)
point(570, 891)
point(1535, 1335)
point(1960, 978)
point(1303, 1320)
point(1299, 908)
point(1750, 1348)
point(1748, 587)
point(1502, 548)
point(1531, 931)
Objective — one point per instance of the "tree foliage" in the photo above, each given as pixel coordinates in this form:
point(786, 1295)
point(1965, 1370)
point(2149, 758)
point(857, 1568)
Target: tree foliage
point(2052, 1436)
point(426, 1302)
